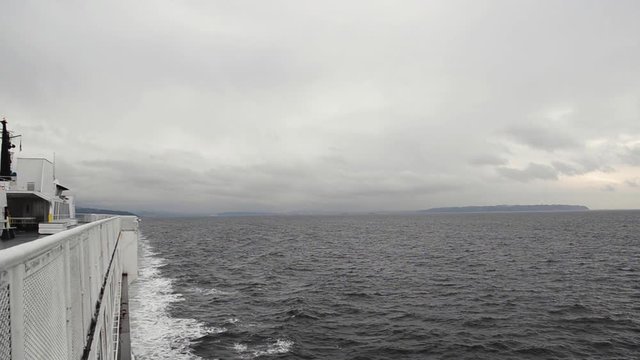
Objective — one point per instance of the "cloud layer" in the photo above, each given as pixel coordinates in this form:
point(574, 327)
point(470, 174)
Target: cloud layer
point(210, 106)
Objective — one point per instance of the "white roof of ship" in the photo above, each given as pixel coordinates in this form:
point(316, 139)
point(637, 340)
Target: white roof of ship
point(55, 181)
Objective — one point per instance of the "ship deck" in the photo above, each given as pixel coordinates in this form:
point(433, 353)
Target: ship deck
point(21, 238)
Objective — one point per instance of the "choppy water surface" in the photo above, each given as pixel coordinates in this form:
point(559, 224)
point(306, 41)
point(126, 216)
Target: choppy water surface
point(476, 286)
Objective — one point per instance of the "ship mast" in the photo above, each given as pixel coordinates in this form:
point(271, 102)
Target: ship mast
point(5, 156)
point(5, 160)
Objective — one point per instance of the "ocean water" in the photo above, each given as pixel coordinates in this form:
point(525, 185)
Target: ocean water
point(469, 286)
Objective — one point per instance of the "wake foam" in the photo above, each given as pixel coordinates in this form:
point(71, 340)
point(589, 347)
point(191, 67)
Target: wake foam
point(279, 347)
point(156, 335)
point(232, 321)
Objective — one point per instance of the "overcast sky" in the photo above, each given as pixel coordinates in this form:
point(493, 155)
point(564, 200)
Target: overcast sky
point(210, 106)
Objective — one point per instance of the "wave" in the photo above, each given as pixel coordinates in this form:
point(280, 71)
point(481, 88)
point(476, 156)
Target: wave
point(155, 334)
point(570, 309)
point(232, 321)
point(281, 346)
point(212, 292)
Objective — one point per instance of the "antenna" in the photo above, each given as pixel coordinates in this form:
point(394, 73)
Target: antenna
point(54, 165)
point(12, 135)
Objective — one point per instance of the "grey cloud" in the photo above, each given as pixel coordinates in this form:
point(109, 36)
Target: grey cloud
point(263, 186)
point(595, 163)
point(582, 166)
point(532, 172)
point(488, 160)
point(541, 138)
point(631, 155)
point(635, 183)
point(566, 169)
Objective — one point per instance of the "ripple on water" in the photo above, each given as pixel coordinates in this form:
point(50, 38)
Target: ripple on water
point(491, 286)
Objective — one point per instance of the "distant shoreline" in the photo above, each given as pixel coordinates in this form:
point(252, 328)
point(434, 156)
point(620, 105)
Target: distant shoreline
point(83, 210)
point(438, 210)
point(504, 209)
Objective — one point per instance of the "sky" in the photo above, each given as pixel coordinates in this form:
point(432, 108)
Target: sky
point(313, 106)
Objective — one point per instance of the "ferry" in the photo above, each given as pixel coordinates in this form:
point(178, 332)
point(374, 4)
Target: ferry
point(63, 276)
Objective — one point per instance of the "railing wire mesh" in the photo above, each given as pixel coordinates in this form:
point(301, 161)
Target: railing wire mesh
point(44, 313)
point(5, 323)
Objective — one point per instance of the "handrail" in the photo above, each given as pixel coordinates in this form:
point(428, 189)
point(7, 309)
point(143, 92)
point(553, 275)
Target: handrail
point(62, 291)
point(17, 254)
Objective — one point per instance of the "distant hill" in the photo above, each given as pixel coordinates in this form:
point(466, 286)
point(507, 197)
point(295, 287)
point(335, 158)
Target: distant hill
point(81, 210)
point(243, 213)
point(504, 208)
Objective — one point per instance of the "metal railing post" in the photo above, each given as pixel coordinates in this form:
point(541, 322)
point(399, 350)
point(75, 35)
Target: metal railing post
point(67, 294)
point(16, 288)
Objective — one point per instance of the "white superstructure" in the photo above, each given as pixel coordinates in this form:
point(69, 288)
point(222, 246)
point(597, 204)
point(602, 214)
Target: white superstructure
point(31, 196)
point(35, 197)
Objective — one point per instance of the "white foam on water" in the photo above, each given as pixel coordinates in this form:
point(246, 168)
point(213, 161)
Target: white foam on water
point(240, 347)
point(279, 347)
point(232, 320)
point(155, 334)
point(213, 292)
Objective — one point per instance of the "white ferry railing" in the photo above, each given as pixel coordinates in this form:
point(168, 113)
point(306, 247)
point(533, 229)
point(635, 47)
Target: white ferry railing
point(57, 294)
point(87, 218)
